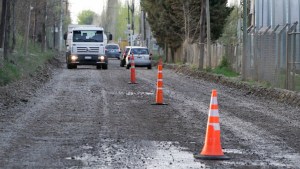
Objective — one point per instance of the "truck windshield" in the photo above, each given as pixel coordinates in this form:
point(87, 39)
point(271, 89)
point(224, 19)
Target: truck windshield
point(87, 36)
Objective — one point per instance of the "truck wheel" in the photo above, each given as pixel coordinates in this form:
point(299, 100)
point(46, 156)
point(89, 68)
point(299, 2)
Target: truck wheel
point(69, 66)
point(98, 66)
point(104, 66)
point(149, 67)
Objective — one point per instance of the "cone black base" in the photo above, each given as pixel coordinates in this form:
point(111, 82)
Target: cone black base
point(204, 157)
point(132, 83)
point(159, 104)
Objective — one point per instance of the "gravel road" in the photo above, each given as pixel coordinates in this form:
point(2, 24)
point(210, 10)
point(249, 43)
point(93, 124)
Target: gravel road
point(89, 118)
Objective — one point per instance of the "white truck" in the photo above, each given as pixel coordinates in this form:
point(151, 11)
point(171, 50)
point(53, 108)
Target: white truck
point(85, 46)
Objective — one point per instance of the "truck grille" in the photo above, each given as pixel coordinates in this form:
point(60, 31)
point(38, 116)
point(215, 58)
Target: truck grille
point(88, 49)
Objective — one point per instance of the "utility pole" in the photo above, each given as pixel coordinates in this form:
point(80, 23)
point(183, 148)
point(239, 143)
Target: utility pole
point(144, 29)
point(244, 39)
point(128, 17)
point(132, 21)
point(208, 33)
point(132, 16)
point(60, 34)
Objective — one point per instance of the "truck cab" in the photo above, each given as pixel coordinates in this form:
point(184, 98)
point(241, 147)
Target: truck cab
point(85, 46)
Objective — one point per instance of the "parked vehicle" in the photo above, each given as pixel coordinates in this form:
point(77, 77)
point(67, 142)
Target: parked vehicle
point(123, 56)
point(112, 51)
point(85, 46)
point(142, 57)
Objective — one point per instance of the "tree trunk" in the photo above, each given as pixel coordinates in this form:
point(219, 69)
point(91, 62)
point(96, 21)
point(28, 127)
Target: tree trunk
point(166, 52)
point(43, 35)
point(27, 29)
point(202, 35)
point(172, 55)
point(2, 26)
point(13, 25)
point(7, 31)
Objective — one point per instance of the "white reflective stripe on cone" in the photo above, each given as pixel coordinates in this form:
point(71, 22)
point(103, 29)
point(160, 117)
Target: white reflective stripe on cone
point(214, 100)
point(214, 113)
point(215, 125)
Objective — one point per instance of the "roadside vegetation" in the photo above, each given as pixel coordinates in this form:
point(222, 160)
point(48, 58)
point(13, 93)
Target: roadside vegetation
point(19, 65)
point(224, 69)
point(29, 36)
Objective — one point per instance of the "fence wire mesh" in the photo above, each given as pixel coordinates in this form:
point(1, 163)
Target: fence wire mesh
point(273, 56)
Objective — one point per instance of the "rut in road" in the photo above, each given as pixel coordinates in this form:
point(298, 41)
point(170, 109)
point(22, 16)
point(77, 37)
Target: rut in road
point(88, 118)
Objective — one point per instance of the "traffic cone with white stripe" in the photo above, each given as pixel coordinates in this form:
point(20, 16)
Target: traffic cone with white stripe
point(212, 149)
point(159, 86)
point(132, 70)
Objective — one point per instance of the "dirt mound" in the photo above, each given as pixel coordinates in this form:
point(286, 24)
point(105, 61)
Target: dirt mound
point(281, 95)
point(21, 90)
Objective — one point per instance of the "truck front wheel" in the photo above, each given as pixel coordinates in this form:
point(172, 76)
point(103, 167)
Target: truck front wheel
point(104, 66)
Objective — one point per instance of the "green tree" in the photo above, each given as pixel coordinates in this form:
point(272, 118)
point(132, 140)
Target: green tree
point(86, 17)
point(174, 21)
point(230, 33)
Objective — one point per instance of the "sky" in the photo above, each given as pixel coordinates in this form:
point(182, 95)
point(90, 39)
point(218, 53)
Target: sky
point(76, 6)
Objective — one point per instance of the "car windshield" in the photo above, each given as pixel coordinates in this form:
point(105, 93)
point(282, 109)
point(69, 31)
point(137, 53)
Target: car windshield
point(139, 51)
point(112, 47)
point(87, 36)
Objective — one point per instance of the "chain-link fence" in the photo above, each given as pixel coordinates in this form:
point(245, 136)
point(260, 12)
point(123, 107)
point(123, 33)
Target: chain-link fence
point(273, 56)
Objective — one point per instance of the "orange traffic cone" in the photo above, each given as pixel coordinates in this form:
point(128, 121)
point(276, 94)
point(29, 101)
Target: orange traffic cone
point(159, 86)
point(132, 70)
point(212, 149)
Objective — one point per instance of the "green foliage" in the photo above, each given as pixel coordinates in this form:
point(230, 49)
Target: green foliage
point(163, 18)
point(224, 69)
point(8, 73)
point(194, 67)
point(230, 33)
point(18, 65)
point(86, 17)
point(218, 15)
point(121, 22)
point(224, 63)
point(157, 57)
point(171, 20)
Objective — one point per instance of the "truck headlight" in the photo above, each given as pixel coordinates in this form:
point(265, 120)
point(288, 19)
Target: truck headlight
point(101, 58)
point(74, 58)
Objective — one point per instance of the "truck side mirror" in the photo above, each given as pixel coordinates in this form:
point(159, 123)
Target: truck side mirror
point(65, 36)
point(110, 37)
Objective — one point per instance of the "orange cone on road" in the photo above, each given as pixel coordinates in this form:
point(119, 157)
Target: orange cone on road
point(159, 86)
point(132, 71)
point(212, 149)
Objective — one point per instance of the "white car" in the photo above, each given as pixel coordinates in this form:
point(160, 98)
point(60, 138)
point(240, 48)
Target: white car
point(142, 57)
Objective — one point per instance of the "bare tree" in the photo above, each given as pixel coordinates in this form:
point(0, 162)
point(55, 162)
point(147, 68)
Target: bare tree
point(3, 16)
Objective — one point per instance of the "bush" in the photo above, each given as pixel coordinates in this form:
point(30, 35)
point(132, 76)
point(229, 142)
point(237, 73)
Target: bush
point(224, 69)
point(8, 73)
point(18, 65)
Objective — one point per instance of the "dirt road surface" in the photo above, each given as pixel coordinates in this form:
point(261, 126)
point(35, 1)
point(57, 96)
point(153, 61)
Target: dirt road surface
point(89, 118)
